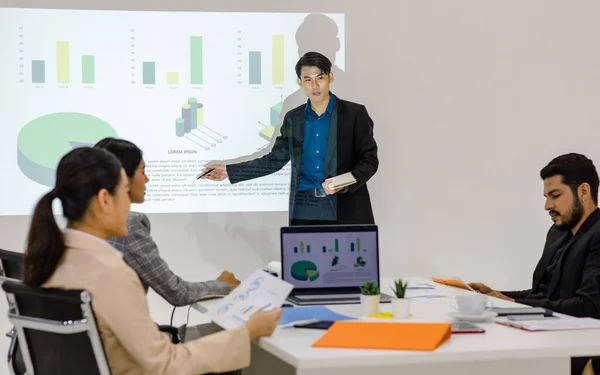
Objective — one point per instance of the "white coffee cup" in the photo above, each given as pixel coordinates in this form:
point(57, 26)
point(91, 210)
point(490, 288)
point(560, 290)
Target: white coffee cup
point(471, 303)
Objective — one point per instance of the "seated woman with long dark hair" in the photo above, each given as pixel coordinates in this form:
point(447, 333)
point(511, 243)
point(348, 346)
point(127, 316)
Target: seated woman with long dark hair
point(140, 251)
point(94, 191)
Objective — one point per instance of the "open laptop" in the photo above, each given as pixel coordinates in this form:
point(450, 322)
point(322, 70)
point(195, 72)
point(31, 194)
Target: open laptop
point(328, 264)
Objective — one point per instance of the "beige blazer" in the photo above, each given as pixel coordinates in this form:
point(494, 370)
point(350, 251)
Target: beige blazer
point(131, 339)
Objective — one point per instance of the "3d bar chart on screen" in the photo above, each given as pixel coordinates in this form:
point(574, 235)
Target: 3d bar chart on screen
point(186, 87)
point(268, 130)
point(191, 126)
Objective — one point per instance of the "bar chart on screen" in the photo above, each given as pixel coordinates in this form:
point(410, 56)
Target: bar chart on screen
point(318, 259)
point(261, 59)
point(173, 63)
point(61, 62)
point(349, 245)
point(186, 87)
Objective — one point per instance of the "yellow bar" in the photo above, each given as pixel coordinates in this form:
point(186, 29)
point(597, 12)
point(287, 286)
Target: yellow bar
point(267, 132)
point(172, 78)
point(278, 59)
point(200, 115)
point(63, 63)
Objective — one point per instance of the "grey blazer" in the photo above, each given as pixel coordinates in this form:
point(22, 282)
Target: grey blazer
point(140, 252)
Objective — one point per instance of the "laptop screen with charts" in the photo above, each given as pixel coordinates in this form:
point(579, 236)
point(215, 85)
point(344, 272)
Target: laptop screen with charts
point(329, 259)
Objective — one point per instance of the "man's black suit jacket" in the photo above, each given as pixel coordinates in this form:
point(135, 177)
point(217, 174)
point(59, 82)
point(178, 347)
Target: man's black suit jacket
point(350, 148)
point(574, 288)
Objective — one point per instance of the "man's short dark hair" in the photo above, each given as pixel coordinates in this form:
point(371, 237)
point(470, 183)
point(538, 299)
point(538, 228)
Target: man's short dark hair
point(313, 59)
point(575, 170)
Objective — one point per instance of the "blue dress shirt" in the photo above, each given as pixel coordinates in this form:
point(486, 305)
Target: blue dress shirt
point(314, 149)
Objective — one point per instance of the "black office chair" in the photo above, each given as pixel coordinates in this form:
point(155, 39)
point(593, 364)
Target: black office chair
point(11, 267)
point(12, 264)
point(57, 330)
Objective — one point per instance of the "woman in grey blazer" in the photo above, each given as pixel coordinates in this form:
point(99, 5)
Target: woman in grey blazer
point(140, 251)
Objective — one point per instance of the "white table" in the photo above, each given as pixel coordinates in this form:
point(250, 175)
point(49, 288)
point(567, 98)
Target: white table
point(500, 350)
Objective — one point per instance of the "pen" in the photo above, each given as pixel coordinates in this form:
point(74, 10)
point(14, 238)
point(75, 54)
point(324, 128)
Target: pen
point(291, 324)
point(204, 174)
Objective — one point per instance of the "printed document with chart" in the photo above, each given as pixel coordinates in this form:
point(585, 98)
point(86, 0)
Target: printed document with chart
point(261, 291)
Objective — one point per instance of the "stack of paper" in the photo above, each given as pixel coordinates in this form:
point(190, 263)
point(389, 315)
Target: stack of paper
point(259, 292)
point(567, 324)
point(342, 181)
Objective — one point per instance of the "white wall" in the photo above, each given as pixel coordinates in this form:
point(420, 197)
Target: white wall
point(470, 100)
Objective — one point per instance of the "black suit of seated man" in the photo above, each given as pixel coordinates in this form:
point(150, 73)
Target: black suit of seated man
point(566, 279)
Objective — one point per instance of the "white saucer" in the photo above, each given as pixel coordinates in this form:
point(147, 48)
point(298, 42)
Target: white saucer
point(473, 318)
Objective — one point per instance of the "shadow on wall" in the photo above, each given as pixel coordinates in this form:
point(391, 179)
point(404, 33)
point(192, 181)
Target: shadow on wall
point(252, 239)
point(256, 234)
point(317, 33)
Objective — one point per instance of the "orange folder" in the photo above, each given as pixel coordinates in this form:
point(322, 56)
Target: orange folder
point(452, 282)
point(379, 335)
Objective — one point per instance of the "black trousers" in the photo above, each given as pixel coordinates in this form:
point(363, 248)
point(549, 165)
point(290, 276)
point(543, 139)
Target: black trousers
point(295, 222)
point(309, 209)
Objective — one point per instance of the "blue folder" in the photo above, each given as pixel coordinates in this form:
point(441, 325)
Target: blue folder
point(295, 314)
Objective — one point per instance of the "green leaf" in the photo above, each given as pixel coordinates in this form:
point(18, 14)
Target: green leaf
point(369, 289)
point(400, 288)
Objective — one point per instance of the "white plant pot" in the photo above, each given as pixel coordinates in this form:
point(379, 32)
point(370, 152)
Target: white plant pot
point(401, 308)
point(369, 304)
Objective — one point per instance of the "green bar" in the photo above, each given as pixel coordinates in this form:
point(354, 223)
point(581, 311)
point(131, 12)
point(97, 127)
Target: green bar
point(63, 63)
point(330, 250)
point(196, 60)
point(278, 59)
point(302, 247)
point(308, 249)
point(172, 78)
point(193, 113)
point(276, 113)
point(88, 69)
point(358, 244)
point(337, 246)
point(179, 127)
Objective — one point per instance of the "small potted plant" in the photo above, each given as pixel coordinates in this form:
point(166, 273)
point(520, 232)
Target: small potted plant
point(400, 304)
point(369, 298)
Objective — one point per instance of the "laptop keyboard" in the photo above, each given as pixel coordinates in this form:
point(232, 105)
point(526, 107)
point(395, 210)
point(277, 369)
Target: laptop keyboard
point(326, 296)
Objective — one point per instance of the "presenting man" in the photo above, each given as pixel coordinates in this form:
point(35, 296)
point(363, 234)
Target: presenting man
point(324, 138)
point(566, 277)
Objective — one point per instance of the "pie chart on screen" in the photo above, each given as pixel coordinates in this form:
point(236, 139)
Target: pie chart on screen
point(304, 270)
point(44, 141)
